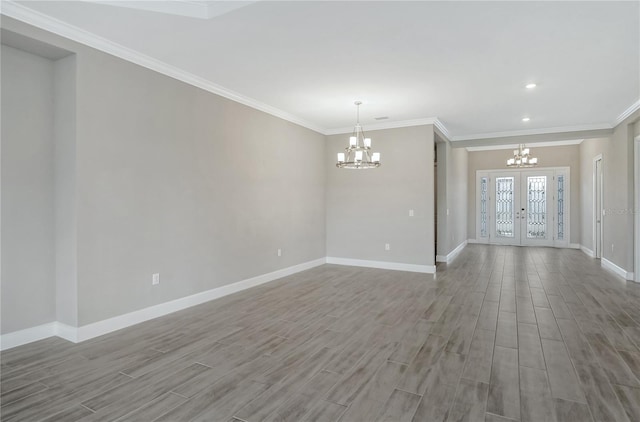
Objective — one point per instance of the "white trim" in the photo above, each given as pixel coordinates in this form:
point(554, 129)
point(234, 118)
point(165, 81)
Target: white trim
point(453, 254)
point(526, 132)
point(474, 241)
point(28, 335)
point(56, 26)
point(636, 203)
point(388, 125)
point(574, 246)
point(32, 17)
point(191, 8)
point(587, 251)
point(66, 332)
point(628, 112)
point(441, 127)
point(122, 321)
point(529, 144)
point(119, 322)
point(605, 263)
point(399, 266)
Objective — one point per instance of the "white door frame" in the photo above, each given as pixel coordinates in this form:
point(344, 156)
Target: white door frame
point(597, 252)
point(636, 207)
point(565, 172)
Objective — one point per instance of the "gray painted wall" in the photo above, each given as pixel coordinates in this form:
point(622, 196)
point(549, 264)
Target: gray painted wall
point(452, 197)
point(66, 235)
point(589, 149)
point(174, 180)
point(442, 151)
point(28, 258)
point(561, 156)
point(457, 187)
point(368, 208)
point(617, 158)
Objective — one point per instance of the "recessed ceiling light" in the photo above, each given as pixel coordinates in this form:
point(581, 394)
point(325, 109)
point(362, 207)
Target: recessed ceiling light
point(530, 86)
point(525, 119)
point(381, 118)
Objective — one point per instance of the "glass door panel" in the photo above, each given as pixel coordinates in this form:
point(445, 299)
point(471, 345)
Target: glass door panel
point(535, 211)
point(525, 207)
point(505, 227)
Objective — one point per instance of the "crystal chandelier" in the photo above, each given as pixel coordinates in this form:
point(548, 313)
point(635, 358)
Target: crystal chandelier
point(358, 154)
point(521, 158)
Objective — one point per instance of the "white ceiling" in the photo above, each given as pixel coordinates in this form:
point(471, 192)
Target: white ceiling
point(465, 63)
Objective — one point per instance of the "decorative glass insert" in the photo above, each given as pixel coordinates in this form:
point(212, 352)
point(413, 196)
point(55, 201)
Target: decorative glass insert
point(505, 224)
point(537, 207)
point(484, 212)
point(560, 207)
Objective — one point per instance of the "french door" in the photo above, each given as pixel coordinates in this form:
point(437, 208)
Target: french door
point(523, 207)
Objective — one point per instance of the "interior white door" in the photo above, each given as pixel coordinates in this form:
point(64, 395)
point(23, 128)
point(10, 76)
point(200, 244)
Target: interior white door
point(505, 208)
point(536, 208)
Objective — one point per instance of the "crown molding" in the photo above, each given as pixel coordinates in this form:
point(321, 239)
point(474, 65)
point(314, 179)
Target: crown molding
point(199, 9)
point(531, 144)
point(442, 128)
point(63, 29)
point(628, 112)
point(563, 129)
point(29, 16)
point(387, 125)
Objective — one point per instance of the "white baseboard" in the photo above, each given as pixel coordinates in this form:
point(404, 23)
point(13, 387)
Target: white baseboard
point(605, 263)
point(451, 255)
point(28, 335)
point(478, 241)
point(575, 246)
point(86, 332)
point(399, 266)
point(587, 251)
point(122, 321)
point(66, 332)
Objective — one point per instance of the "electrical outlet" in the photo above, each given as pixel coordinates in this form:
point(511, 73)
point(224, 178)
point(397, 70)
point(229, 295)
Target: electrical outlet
point(612, 248)
point(279, 252)
point(387, 247)
point(410, 213)
point(155, 279)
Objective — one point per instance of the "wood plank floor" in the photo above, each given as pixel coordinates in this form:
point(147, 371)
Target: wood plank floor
point(501, 334)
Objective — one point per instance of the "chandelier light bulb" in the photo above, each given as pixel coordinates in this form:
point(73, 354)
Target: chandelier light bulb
point(522, 158)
